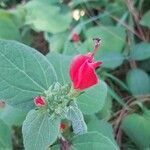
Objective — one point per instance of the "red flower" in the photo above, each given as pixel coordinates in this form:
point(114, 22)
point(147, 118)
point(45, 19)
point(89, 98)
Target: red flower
point(75, 37)
point(39, 101)
point(82, 70)
point(62, 126)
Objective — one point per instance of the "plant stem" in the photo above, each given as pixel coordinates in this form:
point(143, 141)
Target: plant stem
point(64, 144)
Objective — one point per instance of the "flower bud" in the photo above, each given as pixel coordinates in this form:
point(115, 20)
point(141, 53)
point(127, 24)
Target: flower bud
point(75, 37)
point(39, 101)
point(62, 126)
point(82, 69)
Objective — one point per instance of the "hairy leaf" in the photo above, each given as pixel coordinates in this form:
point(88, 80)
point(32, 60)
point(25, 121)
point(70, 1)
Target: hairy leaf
point(25, 73)
point(39, 130)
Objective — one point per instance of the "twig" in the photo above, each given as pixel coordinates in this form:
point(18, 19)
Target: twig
point(126, 26)
point(135, 17)
point(132, 62)
point(131, 102)
point(123, 112)
point(64, 144)
point(119, 137)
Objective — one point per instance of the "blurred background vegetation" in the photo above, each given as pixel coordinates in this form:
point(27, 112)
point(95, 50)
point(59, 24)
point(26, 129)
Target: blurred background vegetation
point(67, 27)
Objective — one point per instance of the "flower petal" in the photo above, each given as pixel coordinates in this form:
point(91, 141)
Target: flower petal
point(96, 64)
point(75, 65)
point(86, 76)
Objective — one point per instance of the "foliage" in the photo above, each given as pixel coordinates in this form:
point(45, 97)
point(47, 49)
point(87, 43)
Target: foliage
point(113, 114)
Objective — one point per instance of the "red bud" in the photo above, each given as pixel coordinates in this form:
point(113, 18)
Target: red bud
point(39, 101)
point(62, 126)
point(75, 37)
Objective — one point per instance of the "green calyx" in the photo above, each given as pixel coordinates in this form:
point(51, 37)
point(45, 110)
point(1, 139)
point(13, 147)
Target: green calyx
point(73, 92)
point(58, 98)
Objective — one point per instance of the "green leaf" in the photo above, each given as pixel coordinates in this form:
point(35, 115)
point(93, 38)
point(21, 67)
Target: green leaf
point(56, 41)
point(140, 51)
point(102, 127)
point(145, 65)
point(5, 13)
point(5, 137)
point(25, 73)
point(26, 36)
point(93, 99)
point(15, 15)
point(8, 29)
point(113, 38)
point(116, 96)
point(61, 66)
point(44, 16)
point(137, 127)
point(16, 118)
point(39, 130)
point(55, 147)
point(145, 19)
point(76, 117)
point(18, 16)
point(105, 113)
point(117, 8)
point(92, 141)
point(106, 19)
point(117, 80)
point(112, 60)
point(138, 82)
point(71, 48)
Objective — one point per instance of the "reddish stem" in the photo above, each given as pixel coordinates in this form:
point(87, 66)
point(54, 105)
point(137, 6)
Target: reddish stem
point(97, 45)
point(64, 144)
